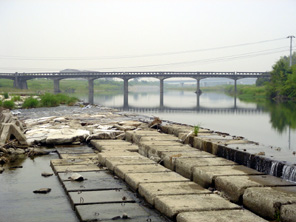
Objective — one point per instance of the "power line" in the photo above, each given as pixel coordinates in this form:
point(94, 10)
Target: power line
point(210, 60)
point(137, 56)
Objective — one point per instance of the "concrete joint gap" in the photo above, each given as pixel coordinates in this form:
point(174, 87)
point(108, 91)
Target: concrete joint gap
point(111, 202)
point(83, 190)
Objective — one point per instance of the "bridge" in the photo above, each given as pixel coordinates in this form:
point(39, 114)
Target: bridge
point(197, 109)
point(20, 79)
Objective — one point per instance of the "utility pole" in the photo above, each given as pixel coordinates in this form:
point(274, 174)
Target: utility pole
point(291, 38)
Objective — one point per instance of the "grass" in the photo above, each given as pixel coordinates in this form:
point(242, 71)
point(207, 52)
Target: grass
point(248, 93)
point(51, 100)
point(30, 103)
point(8, 104)
point(196, 130)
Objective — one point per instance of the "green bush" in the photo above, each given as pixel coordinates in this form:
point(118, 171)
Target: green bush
point(49, 100)
point(71, 101)
point(0, 103)
point(16, 98)
point(5, 95)
point(8, 104)
point(30, 103)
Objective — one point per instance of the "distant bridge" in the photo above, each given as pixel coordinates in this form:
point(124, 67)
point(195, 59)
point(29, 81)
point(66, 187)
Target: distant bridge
point(20, 79)
point(200, 109)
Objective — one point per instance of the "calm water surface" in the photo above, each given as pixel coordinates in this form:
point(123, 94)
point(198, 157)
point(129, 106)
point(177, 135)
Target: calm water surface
point(272, 125)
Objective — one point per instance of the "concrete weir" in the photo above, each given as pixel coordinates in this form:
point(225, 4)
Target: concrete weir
point(183, 182)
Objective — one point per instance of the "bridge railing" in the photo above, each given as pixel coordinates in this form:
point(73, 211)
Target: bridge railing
point(135, 74)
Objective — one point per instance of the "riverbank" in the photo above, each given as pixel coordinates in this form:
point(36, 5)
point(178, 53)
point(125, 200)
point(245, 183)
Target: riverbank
point(48, 126)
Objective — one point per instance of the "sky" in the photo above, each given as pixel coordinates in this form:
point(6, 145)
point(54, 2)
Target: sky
point(145, 35)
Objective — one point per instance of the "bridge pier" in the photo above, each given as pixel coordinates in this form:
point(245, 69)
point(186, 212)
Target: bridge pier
point(125, 92)
point(235, 86)
point(91, 91)
point(56, 85)
point(161, 92)
point(20, 83)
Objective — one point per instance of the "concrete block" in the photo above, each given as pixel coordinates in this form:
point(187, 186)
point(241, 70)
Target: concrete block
point(267, 201)
point(79, 156)
point(108, 213)
point(169, 158)
point(129, 135)
point(122, 170)
point(131, 148)
point(185, 166)
point(175, 204)
point(219, 216)
point(135, 179)
point(73, 161)
point(144, 146)
point(75, 168)
point(205, 176)
point(112, 162)
point(288, 213)
point(113, 145)
point(156, 151)
point(160, 137)
point(102, 196)
point(152, 190)
point(93, 181)
point(233, 187)
point(8, 129)
point(102, 156)
point(74, 150)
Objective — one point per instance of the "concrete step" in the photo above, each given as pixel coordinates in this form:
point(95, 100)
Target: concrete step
point(219, 216)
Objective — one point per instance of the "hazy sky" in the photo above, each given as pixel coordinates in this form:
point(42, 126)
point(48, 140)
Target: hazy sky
point(143, 35)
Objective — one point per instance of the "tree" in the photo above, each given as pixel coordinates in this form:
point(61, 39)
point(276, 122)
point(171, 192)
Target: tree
point(282, 85)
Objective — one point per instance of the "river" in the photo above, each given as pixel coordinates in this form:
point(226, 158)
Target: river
point(271, 125)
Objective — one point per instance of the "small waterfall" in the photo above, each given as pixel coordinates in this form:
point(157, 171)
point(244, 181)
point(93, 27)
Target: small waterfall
point(274, 168)
point(289, 173)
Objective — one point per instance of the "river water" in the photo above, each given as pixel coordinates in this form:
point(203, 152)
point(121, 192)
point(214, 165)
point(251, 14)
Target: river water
point(269, 124)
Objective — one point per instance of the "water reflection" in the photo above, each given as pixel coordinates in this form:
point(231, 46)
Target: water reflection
point(270, 123)
point(282, 115)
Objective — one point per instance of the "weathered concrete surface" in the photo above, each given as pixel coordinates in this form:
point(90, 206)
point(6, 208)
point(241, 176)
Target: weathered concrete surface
point(156, 151)
point(115, 211)
point(74, 161)
point(121, 147)
point(152, 190)
point(112, 162)
point(130, 135)
point(74, 150)
point(205, 176)
point(122, 170)
point(267, 201)
point(78, 156)
point(114, 145)
point(144, 146)
point(135, 179)
point(288, 213)
point(103, 174)
point(123, 154)
point(102, 196)
point(169, 158)
point(185, 166)
point(65, 136)
point(75, 168)
point(10, 129)
point(219, 216)
point(233, 187)
point(172, 205)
